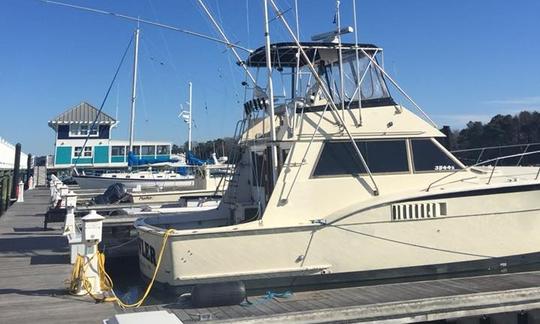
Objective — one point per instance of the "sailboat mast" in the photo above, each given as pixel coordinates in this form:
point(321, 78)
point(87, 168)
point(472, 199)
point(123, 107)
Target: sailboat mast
point(270, 90)
point(134, 90)
point(189, 120)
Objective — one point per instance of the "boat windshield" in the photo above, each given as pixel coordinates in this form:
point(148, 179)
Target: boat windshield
point(355, 72)
point(290, 84)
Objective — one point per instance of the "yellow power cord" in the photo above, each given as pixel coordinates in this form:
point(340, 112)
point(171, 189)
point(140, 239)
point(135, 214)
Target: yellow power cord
point(78, 277)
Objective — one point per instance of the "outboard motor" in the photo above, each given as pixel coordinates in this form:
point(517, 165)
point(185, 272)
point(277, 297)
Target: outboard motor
point(218, 294)
point(113, 194)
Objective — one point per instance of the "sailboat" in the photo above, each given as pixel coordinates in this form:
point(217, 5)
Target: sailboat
point(340, 183)
point(147, 178)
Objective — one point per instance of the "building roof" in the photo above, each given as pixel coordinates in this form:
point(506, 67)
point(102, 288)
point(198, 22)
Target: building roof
point(83, 113)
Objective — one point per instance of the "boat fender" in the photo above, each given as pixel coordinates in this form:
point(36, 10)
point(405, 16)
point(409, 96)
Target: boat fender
point(218, 294)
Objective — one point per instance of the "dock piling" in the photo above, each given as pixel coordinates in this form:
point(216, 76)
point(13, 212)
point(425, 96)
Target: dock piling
point(16, 171)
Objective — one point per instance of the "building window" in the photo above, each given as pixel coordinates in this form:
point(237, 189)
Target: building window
point(148, 150)
point(163, 150)
point(118, 151)
point(428, 156)
point(340, 158)
point(83, 130)
point(78, 151)
point(137, 150)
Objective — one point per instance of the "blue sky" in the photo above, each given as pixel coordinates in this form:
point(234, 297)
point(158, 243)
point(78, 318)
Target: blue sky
point(460, 60)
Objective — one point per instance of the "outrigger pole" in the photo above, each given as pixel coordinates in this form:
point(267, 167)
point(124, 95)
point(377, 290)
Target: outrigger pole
point(326, 94)
point(148, 22)
point(227, 42)
point(270, 90)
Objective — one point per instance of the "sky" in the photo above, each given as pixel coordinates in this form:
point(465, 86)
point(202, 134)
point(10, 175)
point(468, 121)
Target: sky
point(460, 60)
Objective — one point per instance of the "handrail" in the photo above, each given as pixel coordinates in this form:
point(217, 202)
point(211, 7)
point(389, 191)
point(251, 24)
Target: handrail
point(493, 147)
point(487, 161)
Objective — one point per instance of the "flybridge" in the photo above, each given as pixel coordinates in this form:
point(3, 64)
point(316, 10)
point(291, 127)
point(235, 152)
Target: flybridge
point(349, 72)
point(286, 54)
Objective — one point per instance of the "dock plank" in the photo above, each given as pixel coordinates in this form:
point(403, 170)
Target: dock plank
point(34, 265)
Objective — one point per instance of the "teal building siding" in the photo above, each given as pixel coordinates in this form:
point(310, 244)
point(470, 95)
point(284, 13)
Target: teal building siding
point(63, 155)
point(82, 160)
point(117, 159)
point(101, 154)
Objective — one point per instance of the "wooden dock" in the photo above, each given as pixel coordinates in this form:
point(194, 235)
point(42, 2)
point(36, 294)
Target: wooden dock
point(34, 266)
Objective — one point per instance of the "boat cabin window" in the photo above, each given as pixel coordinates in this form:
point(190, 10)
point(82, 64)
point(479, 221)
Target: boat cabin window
point(340, 158)
point(428, 156)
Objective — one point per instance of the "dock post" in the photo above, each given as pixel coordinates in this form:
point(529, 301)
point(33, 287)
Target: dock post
point(91, 236)
point(28, 171)
point(69, 223)
point(20, 192)
point(61, 198)
point(16, 170)
point(71, 232)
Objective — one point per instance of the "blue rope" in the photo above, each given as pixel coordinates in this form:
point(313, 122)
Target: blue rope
point(268, 296)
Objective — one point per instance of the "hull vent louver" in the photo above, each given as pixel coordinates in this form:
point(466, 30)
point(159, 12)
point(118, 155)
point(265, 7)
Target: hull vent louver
point(417, 211)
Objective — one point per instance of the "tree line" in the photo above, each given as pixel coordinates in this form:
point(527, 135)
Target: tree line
point(522, 128)
point(221, 146)
point(501, 130)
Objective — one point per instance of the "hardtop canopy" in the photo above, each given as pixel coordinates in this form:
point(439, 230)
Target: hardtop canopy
point(284, 54)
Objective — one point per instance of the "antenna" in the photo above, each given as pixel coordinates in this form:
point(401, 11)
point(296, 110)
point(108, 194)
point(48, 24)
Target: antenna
point(185, 115)
point(332, 36)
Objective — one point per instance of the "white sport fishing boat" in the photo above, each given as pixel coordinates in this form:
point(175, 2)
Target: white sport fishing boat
point(352, 187)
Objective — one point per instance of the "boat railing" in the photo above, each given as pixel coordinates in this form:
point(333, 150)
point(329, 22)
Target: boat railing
point(496, 160)
point(465, 154)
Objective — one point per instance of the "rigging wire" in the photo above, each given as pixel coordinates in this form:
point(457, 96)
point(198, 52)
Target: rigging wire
point(233, 77)
point(165, 42)
point(165, 96)
point(247, 24)
point(104, 100)
point(148, 22)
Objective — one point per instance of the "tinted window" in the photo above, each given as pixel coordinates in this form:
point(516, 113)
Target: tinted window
point(118, 150)
point(148, 150)
point(427, 156)
point(340, 158)
point(163, 149)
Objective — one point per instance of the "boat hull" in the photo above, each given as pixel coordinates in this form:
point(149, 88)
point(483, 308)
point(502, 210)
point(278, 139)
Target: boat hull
point(96, 182)
point(501, 229)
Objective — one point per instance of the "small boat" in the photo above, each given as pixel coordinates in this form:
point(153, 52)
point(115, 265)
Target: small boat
point(141, 179)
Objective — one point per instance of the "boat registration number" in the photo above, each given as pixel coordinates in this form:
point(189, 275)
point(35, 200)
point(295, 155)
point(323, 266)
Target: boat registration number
point(147, 251)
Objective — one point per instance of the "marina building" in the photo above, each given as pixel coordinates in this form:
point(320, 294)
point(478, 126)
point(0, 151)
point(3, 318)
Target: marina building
point(7, 155)
point(74, 126)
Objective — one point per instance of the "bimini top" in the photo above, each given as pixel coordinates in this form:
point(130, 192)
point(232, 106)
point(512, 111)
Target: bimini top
point(284, 54)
